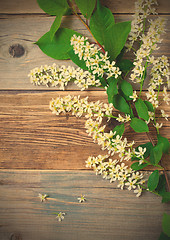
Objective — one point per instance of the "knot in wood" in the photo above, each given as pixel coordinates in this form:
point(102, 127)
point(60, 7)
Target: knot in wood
point(15, 236)
point(16, 50)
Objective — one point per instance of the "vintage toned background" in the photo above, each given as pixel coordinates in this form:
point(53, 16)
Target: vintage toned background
point(44, 153)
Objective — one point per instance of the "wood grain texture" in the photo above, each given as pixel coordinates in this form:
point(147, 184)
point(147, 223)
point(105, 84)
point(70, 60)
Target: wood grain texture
point(25, 30)
point(33, 138)
point(31, 6)
point(108, 213)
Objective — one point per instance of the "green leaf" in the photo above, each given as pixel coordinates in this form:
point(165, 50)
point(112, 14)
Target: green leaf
point(86, 7)
point(153, 180)
point(134, 158)
point(125, 65)
point(54, 7)
point(161, 189)
point(102, 81)
point(126, 88)
point(120, 103)
point(131, 113)
point(100, 21)
point(116, 37)
point(119, 129)
point(166, 224)
point(119, 58)
point(165, 142)
point(139, 125)
point(149, 106)
point(112, 89)
point(59, 47)
point(148, 147)
point(135, 166)
point(165, 197)
point(55, 26)
point(156, 154)
point(74, 57)
point(142, 109)
point(163, 236)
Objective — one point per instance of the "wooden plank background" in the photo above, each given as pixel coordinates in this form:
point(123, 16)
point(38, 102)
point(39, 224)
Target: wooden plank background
point(30, 131)
point(57, 146)
point(31, 6)
point(108, 213)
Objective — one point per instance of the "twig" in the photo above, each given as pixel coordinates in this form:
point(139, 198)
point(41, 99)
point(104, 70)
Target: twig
point(75, 13)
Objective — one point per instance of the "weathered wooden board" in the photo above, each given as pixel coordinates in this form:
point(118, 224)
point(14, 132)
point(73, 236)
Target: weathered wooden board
point(108, 213)
point(33, 138)
point(25, 30)
point(31, 6)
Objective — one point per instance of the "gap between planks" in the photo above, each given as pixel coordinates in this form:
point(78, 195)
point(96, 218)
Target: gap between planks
point(109, 213)
point(117, 6)
point(34, 138)
point(25, 30)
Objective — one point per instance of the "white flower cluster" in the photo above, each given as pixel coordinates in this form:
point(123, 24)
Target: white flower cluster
point(140, 154)
point(81, 106)
point(96, 62)
point(94, 112)
point(152, 97)
point(143, 8)
point(159, 71)
point(60, 76)
point(111, 142)
point(149, 43)
point(165, 95)
point(111, 170)
point(122, 119)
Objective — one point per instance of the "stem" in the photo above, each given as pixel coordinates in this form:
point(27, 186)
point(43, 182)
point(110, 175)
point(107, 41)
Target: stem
point(165, 173)
point(149, 136)
point(143, 78)
point(166, 177)
point(85, 24)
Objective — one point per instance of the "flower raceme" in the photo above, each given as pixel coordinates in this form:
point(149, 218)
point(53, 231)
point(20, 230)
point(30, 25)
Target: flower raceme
point(101, 72)
point(60, 76)
point(112, 171)
point(94, 113)
point(143, 8)
point(109, 141)
point(97, 63)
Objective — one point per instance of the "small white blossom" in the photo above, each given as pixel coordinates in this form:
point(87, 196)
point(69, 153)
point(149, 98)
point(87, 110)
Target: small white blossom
point(43, 197)
point(81, 199)
point(164, 115)
point(131, 183)
point(138, 191)
point(158, 126)
point(60, 216)
point(140, 152)
point(120, 118)
point(96, 62)
point(134, 96)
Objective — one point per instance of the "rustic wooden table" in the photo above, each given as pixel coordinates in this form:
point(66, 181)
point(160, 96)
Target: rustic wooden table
point(43, 153)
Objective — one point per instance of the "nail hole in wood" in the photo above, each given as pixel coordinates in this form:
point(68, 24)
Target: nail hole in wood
point(16, 50)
